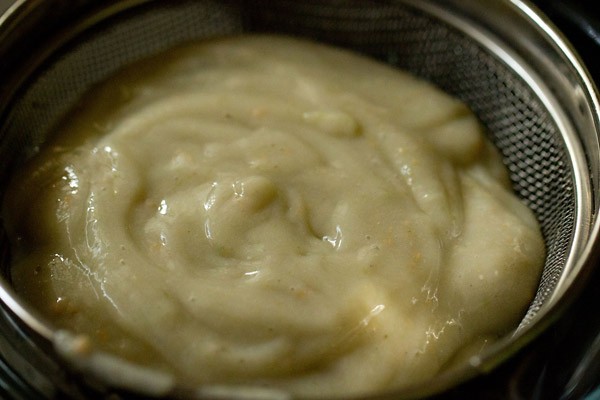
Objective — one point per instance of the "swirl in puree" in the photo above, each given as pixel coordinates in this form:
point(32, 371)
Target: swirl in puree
point(266, 210)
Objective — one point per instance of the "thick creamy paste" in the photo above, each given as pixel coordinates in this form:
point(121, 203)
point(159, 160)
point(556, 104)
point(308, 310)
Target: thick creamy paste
point(266, 210)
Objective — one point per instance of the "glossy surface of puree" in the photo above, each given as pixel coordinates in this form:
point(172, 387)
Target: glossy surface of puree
point(264, 210)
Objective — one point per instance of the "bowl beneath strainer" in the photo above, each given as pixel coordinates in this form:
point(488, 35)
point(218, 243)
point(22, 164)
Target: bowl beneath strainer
point(503, 58)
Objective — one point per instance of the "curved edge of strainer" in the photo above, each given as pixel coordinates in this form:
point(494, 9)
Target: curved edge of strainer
point(583, 148)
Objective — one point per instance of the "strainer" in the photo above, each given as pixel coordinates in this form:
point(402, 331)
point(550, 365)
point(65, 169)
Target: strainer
point(502, 58)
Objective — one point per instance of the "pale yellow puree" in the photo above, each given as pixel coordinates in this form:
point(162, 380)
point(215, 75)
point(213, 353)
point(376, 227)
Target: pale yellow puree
point(264, 210)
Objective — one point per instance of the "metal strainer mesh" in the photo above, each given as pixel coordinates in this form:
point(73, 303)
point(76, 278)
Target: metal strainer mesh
point(518, 123)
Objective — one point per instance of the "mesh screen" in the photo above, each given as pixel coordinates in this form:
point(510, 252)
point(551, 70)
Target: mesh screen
point(517, 121)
